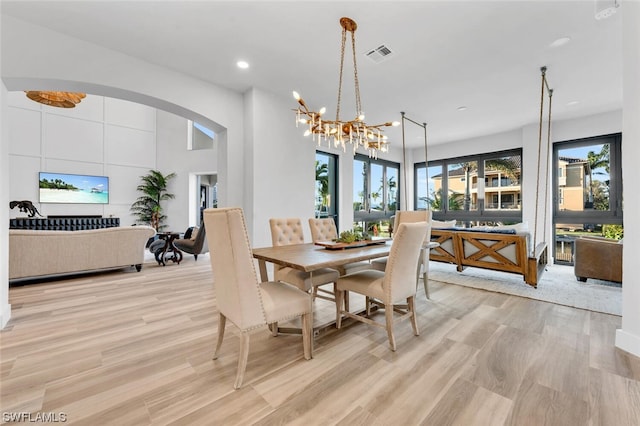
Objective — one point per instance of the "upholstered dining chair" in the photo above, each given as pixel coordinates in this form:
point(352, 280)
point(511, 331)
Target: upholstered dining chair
point(286, 231)
point(390, 289)
point(241, 298)
point(404, 216)
point(325, 230)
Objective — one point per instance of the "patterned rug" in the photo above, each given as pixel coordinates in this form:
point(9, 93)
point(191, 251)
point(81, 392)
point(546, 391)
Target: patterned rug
point(557, 285)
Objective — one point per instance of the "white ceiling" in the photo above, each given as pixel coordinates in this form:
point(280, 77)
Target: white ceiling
point(485, 55)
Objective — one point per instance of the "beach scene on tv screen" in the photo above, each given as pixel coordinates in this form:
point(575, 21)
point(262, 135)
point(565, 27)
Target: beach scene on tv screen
point(67, 188)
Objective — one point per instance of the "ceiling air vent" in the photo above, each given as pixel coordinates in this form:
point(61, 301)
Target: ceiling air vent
point(379, 54)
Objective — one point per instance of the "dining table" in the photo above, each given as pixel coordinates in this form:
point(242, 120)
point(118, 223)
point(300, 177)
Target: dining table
point(310, 257)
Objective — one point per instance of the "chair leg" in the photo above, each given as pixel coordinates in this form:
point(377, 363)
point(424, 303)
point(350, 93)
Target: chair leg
point(242, 359)
point(196, 256)
point(346, 301)
point(339, 297)
point(388, 314)
point(222, 321)
point(367, 306)
point(425, 282)
point(414, 320)
point(274, 329)
point(307, 335)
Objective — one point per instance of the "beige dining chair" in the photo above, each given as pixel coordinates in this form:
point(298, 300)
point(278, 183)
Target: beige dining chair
point(287, 231)
point(325, 230)
point(404, 216)
point(390, 289)
point(240, 297)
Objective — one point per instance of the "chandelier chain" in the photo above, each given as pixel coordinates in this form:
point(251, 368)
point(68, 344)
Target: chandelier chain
point(355, 75)
point(342, 45)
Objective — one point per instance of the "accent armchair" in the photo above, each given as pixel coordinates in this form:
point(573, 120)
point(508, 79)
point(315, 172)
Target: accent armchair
point(194, 242)
point(241, 298)
point(599, 258)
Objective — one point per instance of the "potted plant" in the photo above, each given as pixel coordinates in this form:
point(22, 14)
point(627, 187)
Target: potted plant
point(148, 206)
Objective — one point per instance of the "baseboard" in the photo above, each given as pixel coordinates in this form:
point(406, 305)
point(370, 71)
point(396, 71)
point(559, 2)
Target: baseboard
point(5, 315)
point(628, 342)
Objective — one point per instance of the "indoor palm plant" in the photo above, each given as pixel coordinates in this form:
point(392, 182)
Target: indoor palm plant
point(148, 206)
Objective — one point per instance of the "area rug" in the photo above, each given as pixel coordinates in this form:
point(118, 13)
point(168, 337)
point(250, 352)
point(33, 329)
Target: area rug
point(558, 285)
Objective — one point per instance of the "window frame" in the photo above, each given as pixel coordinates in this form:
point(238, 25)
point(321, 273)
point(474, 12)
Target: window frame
point(333, 174)
point(612, 216)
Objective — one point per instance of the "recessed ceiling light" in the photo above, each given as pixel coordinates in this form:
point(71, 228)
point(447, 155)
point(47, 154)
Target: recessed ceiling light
point(242, 64)
point(462, 108)
point(572, 103)
point(560, 42)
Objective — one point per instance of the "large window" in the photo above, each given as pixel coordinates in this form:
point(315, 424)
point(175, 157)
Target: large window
point(588, 191)
point(475, 189)
point(375, 193)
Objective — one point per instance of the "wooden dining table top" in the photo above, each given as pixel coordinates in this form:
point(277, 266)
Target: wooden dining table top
point(310, 257)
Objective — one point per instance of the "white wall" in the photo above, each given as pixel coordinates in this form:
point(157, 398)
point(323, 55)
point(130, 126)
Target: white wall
point(5, 307)
point(628, 337)
point(280, 168)
point(101, 136)
point(173, 157)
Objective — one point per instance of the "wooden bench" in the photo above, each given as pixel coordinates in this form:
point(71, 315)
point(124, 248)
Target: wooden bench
point(497, 250)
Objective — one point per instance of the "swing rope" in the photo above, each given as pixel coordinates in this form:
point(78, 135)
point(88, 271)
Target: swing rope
point(544, 85)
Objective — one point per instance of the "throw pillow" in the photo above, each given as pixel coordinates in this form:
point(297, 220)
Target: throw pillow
point(194, 233)
point(440, 224)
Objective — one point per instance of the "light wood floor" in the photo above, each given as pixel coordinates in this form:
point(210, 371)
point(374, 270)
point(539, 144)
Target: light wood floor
point(129, 348)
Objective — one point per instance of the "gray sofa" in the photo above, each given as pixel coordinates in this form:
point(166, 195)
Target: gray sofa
point(34, 253)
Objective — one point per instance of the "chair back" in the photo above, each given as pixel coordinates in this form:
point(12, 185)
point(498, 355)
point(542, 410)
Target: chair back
point(400, 273)
point(234, 275)
point(286, 231)
point(200, 244)
point(323, 229)
point(406, 216)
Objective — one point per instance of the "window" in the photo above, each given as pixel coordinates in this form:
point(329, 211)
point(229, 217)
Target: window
point(588, 188)
point(326, 193)
point(475, 189)
point(376, 193)
point(199, 136)
point(428, 187)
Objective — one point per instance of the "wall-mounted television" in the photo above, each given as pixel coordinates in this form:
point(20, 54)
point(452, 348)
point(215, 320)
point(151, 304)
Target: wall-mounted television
point(73, 189)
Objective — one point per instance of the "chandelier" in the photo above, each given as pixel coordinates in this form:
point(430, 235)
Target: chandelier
point(56, 99)
point(339, 132)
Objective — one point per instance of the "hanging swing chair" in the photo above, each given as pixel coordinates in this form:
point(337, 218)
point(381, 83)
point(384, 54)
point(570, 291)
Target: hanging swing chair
point(520, 253)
